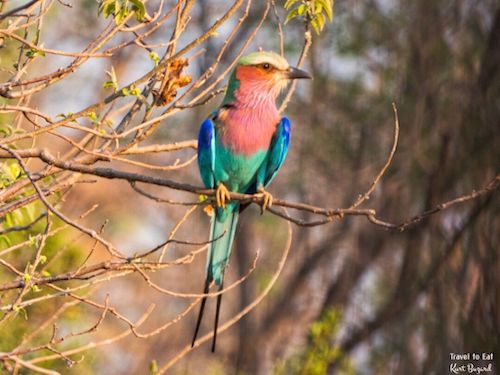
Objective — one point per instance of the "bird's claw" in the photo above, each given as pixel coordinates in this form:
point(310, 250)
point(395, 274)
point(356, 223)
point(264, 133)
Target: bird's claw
point(221, 195)
point(267, 199)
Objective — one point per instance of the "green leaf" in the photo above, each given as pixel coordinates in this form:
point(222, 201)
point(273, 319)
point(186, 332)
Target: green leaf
point(106, 7)
point(110, 85)
point(154, 56)
point(321, 21)
point(121, 15)
point(153, 367)
point(35, 289)
point(289, 3)
point(18, 309)
point(120, 9)
point(118, 6)
point(318, 8)
point(5, 239)
point(109, 10)
point(108, 122)
point(33, 52)
point(6, 130)
point(315, 25)
point(34, 240)
point(301, 10)
point(92, 116)
point(10, 219)
point(294, 13)
point(10, 171)
point(14, 170)
point(135, 91)
point(30, 211)
point(113, 80)
point(327, 5)
point(139, 9)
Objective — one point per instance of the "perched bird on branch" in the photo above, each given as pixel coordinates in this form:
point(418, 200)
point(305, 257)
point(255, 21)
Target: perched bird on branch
point(241, 148)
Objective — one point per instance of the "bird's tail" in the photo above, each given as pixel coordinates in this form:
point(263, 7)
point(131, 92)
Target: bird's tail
point(223, 227)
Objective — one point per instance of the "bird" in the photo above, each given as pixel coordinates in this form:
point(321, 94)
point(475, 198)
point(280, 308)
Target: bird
point(241, 147)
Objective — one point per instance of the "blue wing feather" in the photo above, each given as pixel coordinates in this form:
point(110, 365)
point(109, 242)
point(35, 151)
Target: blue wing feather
point(278, 150)
point(206, 153)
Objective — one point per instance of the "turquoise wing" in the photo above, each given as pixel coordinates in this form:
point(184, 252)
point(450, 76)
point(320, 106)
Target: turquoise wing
point(206, 153)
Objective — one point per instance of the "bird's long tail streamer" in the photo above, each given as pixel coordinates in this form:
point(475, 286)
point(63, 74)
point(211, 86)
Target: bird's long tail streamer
point(222, 234)
point(217, 311)
point(202, 308)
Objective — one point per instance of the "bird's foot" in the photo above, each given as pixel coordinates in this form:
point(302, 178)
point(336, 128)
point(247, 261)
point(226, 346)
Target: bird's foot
point(267, 199)
point(221, 195)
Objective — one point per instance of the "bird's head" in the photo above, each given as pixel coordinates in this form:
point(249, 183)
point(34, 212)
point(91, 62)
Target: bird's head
point(262, 73)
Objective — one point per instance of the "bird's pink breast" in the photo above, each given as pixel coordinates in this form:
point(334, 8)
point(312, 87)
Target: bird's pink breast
point(248, 130)
point(249, 123)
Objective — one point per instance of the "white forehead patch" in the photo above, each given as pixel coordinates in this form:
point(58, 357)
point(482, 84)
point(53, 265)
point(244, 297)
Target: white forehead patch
point(272, 58)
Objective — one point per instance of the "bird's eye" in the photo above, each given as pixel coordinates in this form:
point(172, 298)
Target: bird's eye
point(266, 66)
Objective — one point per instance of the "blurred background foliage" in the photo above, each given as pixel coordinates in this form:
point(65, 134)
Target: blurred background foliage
point(354, 298)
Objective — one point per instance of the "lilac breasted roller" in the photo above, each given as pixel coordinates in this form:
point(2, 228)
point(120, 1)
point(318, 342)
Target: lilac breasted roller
point(241, 147)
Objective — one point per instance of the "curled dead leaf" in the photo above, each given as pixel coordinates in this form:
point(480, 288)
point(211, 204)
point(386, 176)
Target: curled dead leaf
point(172, 79)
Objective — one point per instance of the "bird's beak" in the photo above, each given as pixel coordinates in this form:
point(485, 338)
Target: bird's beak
point(295, 73)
